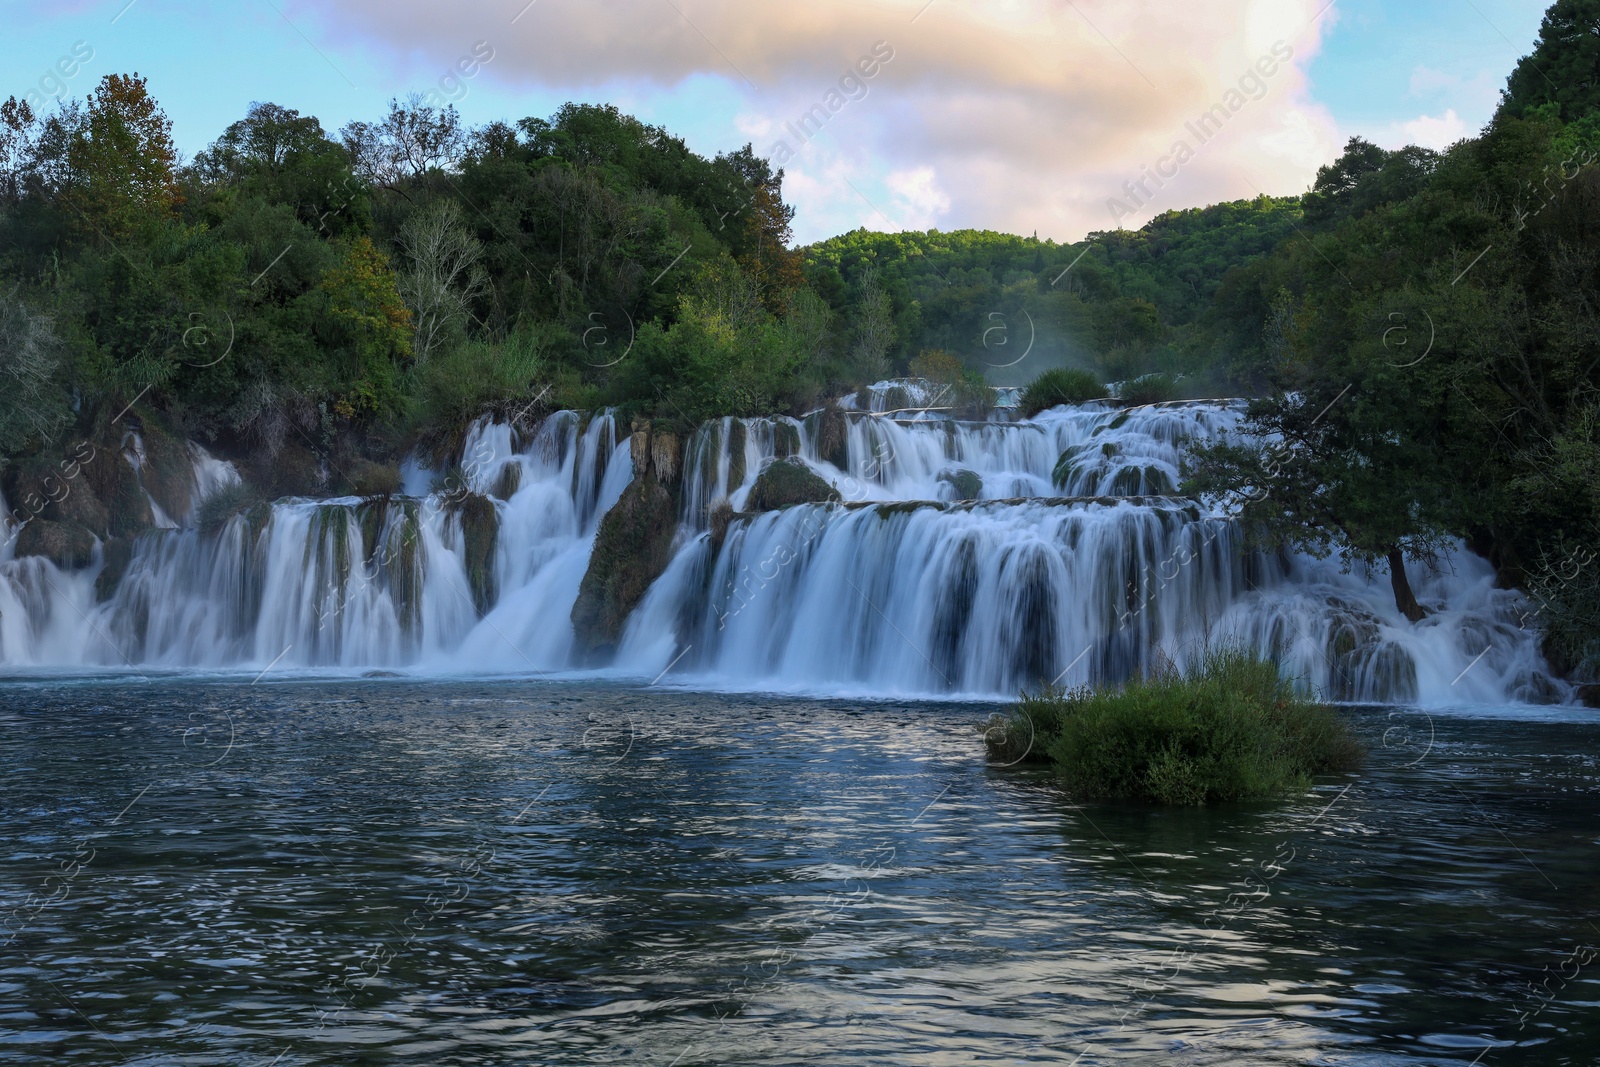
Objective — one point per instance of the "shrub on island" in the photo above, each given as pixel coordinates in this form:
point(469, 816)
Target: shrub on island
point(1229, 729)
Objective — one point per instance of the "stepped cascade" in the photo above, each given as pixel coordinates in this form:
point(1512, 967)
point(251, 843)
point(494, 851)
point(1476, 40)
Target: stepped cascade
point(964, 558)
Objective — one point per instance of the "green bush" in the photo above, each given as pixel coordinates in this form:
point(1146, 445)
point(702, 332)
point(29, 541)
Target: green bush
point(1061, 386)
point(1230, 729)
point(1148, 389)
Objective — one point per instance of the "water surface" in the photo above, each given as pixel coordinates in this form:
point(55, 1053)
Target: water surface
point(327, 871)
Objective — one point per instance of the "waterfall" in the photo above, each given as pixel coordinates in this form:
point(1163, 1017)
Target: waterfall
point(964, 558)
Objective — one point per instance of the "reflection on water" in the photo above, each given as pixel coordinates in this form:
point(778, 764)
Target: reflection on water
point(380, 872)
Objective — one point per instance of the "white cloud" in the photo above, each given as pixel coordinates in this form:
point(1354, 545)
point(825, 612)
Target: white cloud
point(918, 201)
point(1016, 115)
point(1429, 131)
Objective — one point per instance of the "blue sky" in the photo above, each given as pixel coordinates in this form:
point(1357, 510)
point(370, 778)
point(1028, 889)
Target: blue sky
point(1016, 114)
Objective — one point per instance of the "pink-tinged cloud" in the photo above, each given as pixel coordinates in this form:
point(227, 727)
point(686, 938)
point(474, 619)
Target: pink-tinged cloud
point(1013, 115)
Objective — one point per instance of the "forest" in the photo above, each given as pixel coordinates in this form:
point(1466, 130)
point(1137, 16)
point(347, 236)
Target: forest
point(1418, 331)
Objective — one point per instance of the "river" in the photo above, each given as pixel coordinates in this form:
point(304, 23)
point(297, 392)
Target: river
point(305, 869)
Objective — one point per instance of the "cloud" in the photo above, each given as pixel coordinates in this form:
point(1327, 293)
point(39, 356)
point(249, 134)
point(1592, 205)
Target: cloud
point(918, 201)
point(1007, 114)
point(1429, 131)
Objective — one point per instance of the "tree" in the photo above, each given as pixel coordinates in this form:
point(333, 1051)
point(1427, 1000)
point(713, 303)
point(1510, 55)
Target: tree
point(284, 157)
point(875, 332)
point(121, 159)
point(413, 139)
point(1564, 66)
point(444, 275)
point(372, 322)
point(771, 264)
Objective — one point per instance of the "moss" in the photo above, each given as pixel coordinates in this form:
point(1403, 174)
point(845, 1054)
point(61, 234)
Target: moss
point(480, 529)
point(215, 510)
point(117, 485)
point(115, 556)
point(785, 440)
point(510, 480)
point(895, 398)
point(718, 518)
point(736, 440)
point(67, 545)
point(967, 484)
point(167, 472)
point(631, 549)
point(293, 471)
point(906, 507)
point(786, 482)
point(832, 435)
point(363, 477)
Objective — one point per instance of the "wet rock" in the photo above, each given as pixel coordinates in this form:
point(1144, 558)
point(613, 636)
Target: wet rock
point(631, 549)
point(67, 545)
point(787, 482)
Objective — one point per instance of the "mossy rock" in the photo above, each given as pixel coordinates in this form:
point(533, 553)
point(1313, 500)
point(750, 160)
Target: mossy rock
point(787, 482)
point(967, 484)
point(362, 477)
point(67, 545)
point(631, 549)
point(167, 472)
point(833, 436)
point(480, 528)
point(895, 398)
point(293, 471)
point(785, 440)
point(719, 516)
point(510, 480)
point(736, 441)
point(115, 557)
point(117, 485)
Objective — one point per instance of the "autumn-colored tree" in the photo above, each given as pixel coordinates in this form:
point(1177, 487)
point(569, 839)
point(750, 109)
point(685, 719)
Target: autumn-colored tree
point(770, 262)
point(371, 323)
point(121, 159)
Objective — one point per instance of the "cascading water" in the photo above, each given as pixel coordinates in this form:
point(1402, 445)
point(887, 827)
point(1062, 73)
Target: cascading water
point(350, 582)
point(1067, 559)
point(964, 558)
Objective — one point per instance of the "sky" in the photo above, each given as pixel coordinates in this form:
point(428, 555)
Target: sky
point(1059, 117)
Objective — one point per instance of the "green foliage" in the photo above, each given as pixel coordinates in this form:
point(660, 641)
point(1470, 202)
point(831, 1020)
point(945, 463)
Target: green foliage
point(1230, 729)
point(1063, 385)
point(1148, 389)
point(462, 382)
point(1564, 67)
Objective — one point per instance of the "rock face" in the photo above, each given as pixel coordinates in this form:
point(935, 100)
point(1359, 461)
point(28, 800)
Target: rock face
point(631, 549)
point(786, 482)
point(966, 485)
point(1588, 695)
point(480, 529)
point(67, 545)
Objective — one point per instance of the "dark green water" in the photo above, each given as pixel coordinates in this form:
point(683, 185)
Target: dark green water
point(337, 872)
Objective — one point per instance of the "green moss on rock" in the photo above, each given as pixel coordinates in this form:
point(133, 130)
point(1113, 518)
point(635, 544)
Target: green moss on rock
point(167, 473)
point(631, 549)
point(967, 484)
point(67, 545)
point(115, 557)
point(785, 483)
point(480, 528)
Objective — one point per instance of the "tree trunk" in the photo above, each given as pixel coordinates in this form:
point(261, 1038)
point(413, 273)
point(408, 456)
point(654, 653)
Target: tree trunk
point(1404, 599)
